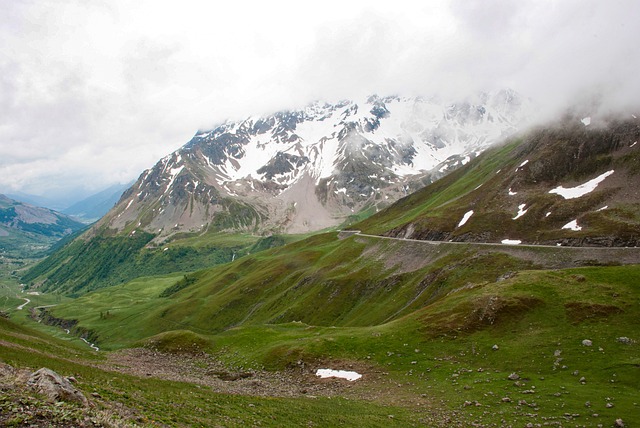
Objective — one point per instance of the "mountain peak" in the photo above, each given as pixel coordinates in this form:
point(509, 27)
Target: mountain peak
point(338, 157)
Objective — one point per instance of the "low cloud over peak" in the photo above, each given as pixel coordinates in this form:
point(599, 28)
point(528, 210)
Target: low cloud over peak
point(92, 93)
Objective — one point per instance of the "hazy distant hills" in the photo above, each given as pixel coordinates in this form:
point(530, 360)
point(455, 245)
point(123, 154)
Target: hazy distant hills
point(85, 209)
point(26, 229)
point(95, 206)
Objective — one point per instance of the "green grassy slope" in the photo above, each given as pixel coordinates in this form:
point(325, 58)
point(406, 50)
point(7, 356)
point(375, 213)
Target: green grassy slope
point(101, 261)
point(319, 281)
point(126, 400)
point(443, 348)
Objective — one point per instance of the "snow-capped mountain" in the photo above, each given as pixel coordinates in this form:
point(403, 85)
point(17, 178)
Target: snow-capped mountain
point(304, 170)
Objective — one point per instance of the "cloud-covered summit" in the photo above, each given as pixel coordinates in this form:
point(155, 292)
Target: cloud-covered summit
point(92, 93)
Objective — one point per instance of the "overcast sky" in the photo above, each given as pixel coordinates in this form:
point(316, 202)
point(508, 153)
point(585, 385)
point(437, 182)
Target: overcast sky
point(92, 92)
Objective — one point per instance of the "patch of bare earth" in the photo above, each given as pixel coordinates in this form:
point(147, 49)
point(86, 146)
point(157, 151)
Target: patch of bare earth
point(579, 312)
point(300, 381)
point(408, 256)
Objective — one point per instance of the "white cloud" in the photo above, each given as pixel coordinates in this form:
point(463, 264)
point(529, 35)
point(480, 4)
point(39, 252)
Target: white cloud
point(93, 92)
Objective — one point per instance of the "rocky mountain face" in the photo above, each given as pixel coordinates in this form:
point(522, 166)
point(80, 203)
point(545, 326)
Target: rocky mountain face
point(570, 183)
point(305, 170)
point(26, 228)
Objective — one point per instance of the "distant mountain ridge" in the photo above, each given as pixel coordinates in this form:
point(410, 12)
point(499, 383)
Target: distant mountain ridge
point(95, 206)
point(305, 170)
point(38, 201)
point(26, 229)
point(237, 188)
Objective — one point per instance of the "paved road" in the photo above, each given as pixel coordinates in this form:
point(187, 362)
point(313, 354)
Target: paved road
point(348, 233)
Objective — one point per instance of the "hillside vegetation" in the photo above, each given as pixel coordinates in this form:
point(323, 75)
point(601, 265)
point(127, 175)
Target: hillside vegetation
point(452, 327)
point(119, 399)
point(83, 264)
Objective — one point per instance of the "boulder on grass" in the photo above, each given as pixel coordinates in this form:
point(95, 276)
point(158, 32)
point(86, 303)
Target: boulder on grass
point(55, 387)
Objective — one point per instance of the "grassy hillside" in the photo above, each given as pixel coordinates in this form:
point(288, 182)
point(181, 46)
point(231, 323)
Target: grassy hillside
point(356, 282)
point(100, 261)
point(120, 399)
point(434, 341)
point(436, 330)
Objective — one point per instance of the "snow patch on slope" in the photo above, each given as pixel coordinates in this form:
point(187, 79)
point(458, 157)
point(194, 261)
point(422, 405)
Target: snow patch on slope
point(572, 225)
point(465, 218)
point(511, 241)
point(173, 173)
point(521, 211)
point(581, 190)
point(343, 374)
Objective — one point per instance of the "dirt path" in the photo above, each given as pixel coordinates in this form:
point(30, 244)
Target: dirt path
point(299, 382)
point(206, 370)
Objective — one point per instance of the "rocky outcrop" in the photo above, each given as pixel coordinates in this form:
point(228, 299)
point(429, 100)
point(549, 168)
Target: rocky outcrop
point(55, 387)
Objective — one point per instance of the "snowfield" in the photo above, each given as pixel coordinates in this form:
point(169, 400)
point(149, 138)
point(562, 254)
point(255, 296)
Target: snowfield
point(343, 374)
point(521, 211)
point(581, 190)
point(465, 218)
point(572, 225)
point(511, 241)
